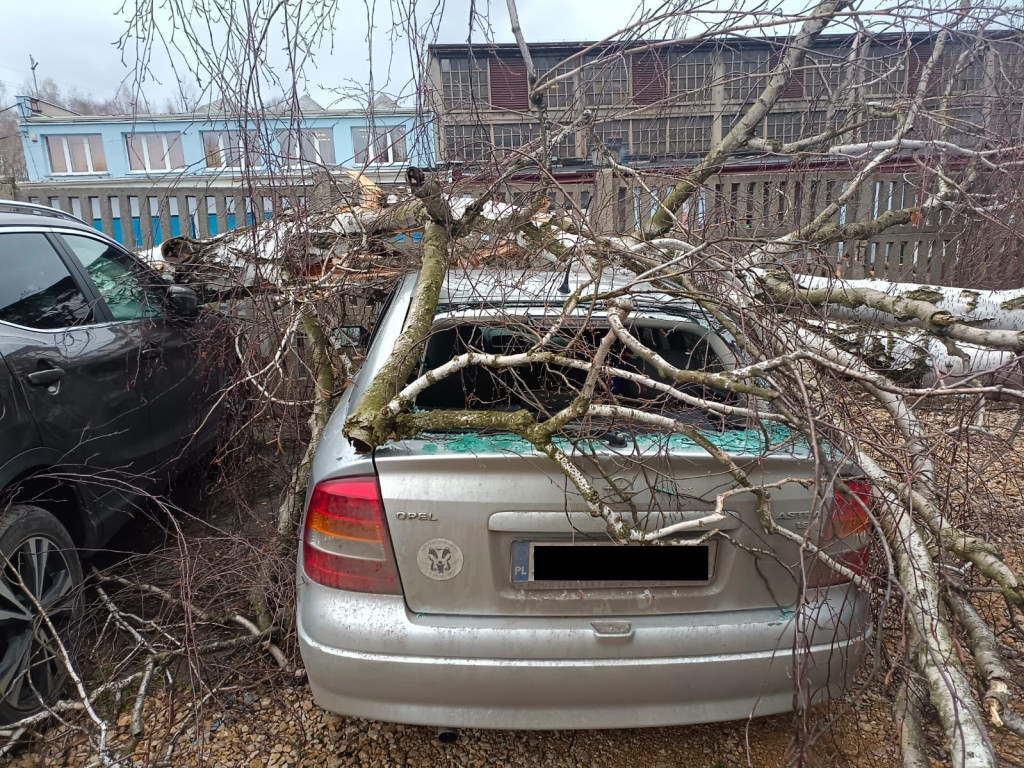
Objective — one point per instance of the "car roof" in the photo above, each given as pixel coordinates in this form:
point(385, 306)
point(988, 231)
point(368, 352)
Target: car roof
point(505, 288)
point(47, 222)
point(14, 213)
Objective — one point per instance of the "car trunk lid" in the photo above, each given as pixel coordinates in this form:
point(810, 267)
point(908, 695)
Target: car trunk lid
point(468, 514)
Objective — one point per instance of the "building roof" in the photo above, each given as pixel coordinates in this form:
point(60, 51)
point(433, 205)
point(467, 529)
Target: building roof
point(638, 46)
point(29, 106)
point(201, 116)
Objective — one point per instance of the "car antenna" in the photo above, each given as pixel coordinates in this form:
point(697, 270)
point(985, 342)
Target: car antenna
point(564, 287)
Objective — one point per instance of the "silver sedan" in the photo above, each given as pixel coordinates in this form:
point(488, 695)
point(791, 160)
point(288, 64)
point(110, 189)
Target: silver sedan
point(456, 579)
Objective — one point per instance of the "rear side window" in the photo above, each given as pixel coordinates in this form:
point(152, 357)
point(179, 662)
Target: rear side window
point(543, 388)
point(118, 279)
point(36, 288)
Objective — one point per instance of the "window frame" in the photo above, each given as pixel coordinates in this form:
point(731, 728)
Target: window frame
point(480, 317)
point(223, 149)
point(648, 137)
point(683, 71)
point(100, 314)
point(610, 81)
point(744, 72)
point(513, 137)
point(885, 72)
point(971, 79)
point(787, 126)
point(604, 129)
point(473, 135)
point(373, 135)
point(473, 81)
point(82, 277)
point(678, 130)
point(66, 151)
point(564, 95)
point(824, 71)
point(147, 159)
point(287, 136)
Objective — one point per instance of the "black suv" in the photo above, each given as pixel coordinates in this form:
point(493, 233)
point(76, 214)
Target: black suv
point(108, 375)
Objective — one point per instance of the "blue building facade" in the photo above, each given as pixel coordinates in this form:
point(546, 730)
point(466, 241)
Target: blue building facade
point(189, 162)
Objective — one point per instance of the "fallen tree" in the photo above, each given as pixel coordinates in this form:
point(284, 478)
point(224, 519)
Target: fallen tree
point(811, 379)
point(856, 368)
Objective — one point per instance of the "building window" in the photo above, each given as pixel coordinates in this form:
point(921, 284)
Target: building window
point(690, 75)
point(301, 147)
point(605, 81)
point(613, 134)
point(466, 142)
point(885, 72)
point(154, 151)
point(1008, 69)
point(566, 147)
point(745, 73)
point(226, 149)
point(689, 135)
point(463, 82)
point(648, 137)
point(511, 137)
point(386, 147)
point(878, 129)
point(562, 95)
point(81, 153)
point(823, 71)
point(971, 76)
point(1007, 122)
point(784, 127)
point(964, 125)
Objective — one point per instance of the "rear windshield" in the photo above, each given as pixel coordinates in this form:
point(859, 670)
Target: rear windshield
point(545, 389)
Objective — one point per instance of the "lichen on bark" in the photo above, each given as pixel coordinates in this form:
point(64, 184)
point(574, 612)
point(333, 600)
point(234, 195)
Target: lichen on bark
point(367, 426)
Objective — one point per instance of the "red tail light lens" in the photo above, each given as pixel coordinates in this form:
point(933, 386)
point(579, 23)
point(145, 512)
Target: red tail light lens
point(345, 538)
point(845, 527)
point(849, 515)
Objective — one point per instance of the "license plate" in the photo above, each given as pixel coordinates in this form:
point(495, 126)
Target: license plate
point(561, 565)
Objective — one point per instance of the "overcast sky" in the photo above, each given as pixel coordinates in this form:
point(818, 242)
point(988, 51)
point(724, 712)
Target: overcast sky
point(74, 41)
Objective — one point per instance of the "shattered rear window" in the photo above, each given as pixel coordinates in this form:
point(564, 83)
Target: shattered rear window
point(544, 389)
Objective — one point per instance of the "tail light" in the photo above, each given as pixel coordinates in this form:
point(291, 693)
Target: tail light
point(846, 525)
point(345, 541)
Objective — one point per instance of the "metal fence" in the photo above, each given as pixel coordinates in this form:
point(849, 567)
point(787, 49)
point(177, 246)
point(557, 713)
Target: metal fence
point(143, 214)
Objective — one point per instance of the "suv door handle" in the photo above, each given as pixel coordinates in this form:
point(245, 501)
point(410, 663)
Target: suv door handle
point(45, 377)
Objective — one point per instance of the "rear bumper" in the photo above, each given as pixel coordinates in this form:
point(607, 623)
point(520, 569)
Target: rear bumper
point(367, 656)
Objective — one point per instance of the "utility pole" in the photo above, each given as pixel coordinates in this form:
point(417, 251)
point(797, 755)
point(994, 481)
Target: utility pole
point(35, 82)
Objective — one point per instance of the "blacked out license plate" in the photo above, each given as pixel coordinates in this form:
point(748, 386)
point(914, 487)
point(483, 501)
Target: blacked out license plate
point(562, 565)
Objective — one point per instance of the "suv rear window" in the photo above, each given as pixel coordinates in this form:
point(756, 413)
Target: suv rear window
point(36, 288)
point(544, 389)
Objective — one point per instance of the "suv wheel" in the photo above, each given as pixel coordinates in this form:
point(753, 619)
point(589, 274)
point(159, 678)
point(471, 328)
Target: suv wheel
point(41, 575)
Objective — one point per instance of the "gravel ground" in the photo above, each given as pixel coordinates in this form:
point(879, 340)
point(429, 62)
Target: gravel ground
point(286, 729)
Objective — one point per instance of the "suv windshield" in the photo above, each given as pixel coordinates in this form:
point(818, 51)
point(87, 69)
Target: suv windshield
point(543, 388)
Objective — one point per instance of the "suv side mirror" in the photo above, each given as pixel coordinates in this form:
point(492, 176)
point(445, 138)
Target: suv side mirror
point(182, 301)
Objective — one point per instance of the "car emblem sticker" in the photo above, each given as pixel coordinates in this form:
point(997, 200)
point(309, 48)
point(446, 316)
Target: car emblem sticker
point(439, 559)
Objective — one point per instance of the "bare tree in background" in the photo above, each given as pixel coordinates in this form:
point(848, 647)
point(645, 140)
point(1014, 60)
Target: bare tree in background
point(895, 377)
point(12, 158)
